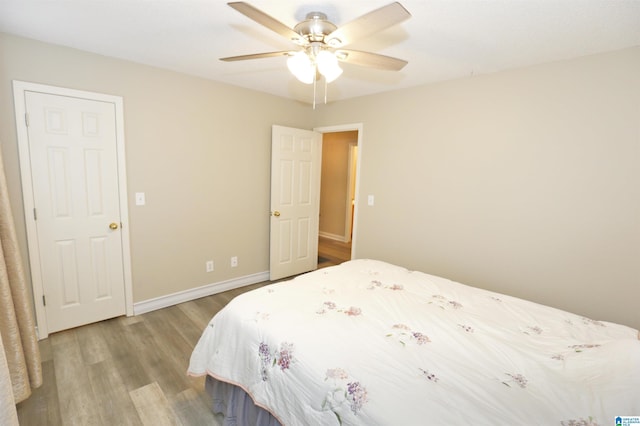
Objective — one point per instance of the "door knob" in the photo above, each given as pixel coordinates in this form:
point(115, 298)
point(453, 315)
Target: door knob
point(276, 213)
point(113, 225)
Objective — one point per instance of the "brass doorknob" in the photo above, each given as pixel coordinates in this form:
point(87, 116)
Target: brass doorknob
point(276, 213)
point(113, 225)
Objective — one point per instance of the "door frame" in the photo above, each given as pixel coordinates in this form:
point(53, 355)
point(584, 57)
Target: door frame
point(351, 192)
point(359, 127)
point(19, 91)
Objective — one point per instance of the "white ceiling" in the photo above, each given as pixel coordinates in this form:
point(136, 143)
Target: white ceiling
point(444, 39)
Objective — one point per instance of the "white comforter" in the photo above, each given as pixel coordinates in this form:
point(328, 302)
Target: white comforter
point(371, 343)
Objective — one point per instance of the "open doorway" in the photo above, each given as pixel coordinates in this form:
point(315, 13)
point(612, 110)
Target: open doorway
point(337, 195)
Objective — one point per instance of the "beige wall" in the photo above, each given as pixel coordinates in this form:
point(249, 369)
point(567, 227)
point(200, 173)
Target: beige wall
point(334, 188)
point(198, 149)
point(525, 182)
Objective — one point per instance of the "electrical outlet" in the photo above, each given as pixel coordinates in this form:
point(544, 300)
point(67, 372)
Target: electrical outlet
point(234, 261)
point(209, 265)
point(140, 199)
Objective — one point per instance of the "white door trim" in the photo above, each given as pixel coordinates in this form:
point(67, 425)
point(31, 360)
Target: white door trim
point(345, 128)
point(19, 90)
point(351, 191)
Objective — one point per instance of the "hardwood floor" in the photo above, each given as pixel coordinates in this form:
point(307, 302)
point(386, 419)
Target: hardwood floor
point(126, 371)
point(332, 252)
point(132, 370)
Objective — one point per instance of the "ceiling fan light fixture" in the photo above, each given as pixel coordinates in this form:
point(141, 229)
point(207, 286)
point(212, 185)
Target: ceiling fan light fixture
point(301, 67)
point(328, 65)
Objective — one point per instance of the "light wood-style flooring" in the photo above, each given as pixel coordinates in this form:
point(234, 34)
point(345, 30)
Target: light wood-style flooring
point(332, 252)
point(126, 370)
point(132, 370)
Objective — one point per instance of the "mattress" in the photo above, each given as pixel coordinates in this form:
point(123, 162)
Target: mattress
point(371, 343)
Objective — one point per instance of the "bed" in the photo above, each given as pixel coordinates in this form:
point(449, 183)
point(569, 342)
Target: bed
point(371, 343)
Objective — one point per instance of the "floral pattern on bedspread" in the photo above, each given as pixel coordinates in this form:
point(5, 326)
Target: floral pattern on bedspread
point(376, 284)
point(367, 343)
point(580, 422)
point(444, 303)
point(352, 311)
point(533, 329)
point(515, 379)
point(429, 376)
point(281, 358)
point(572, 349)
point(466, 328)
point(343, 391)
point(404, 334)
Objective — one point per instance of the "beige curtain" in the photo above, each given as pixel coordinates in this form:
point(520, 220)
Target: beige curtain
point(17, 323)
point(8, 414)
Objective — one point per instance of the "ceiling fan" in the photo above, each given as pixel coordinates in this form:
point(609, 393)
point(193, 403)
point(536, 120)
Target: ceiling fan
point(321, 42)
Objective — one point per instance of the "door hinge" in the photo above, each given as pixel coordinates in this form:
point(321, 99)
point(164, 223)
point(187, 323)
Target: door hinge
point(26, 119)
point(44, 301)
point(35, 215)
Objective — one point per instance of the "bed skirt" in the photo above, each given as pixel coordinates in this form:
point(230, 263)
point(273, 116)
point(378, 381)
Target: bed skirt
point(236, 405)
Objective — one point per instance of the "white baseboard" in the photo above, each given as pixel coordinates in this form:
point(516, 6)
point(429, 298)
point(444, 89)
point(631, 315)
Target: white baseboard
point(196, 293)
point(332, 236)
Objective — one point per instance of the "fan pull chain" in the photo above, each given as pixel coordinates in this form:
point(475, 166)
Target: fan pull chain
point(326, 85)
point(314, 93)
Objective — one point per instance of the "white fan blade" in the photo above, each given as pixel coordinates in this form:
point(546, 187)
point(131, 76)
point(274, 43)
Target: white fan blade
point(370, 23)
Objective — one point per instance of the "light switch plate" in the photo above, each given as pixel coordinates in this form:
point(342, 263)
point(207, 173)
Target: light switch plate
point(370, 200)
point(140, 200)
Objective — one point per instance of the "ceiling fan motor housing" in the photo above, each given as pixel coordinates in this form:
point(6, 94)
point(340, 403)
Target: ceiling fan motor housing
point(315, 28)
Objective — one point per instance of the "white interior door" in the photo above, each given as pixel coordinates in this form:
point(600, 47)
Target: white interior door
point(78, 251)
point(296, 157)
